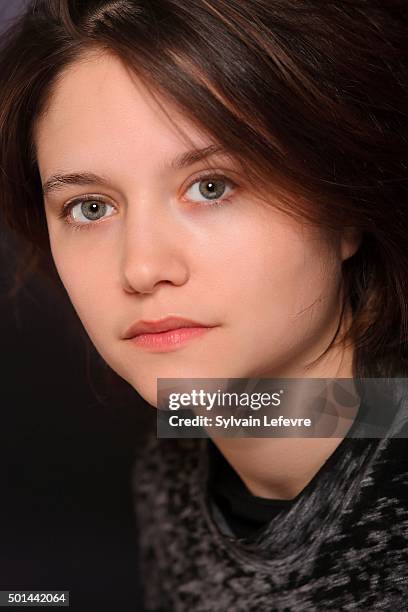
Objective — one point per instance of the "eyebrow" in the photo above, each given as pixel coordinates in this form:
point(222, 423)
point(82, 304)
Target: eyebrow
point(188, 158)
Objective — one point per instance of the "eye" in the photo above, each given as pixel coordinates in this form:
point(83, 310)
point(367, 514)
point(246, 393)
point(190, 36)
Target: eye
point(210, 187)
point(89, 210)
point(86, 210)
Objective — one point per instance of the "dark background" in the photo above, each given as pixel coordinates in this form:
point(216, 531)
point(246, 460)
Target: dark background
point(66, 447)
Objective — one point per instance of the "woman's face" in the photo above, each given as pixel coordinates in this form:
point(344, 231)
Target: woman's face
point(145, 239)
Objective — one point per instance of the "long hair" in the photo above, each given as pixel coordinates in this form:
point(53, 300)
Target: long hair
point(311, 98)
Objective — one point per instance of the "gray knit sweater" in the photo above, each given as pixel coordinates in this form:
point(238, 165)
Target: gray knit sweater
point(342, 546)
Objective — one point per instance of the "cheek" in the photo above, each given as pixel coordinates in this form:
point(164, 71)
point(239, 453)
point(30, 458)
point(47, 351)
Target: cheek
point(283, 283)
point(280, 265)
point(86, 277)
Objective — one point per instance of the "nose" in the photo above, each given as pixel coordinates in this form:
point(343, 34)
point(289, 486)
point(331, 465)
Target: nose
point(153, 253)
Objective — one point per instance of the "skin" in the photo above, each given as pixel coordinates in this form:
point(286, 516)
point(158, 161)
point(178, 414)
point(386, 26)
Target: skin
point(269, 283)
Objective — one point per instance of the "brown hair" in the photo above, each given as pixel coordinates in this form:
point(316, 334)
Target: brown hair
point(310, 97)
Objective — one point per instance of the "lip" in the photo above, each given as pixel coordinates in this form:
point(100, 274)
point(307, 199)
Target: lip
point(160, 325)
point(168, 340)
point(165, 334)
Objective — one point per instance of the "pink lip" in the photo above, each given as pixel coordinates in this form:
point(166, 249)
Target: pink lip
point(164, 341)
point(164, 334)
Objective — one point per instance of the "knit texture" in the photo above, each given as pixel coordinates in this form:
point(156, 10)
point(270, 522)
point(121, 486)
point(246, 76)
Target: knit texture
point(342, 546)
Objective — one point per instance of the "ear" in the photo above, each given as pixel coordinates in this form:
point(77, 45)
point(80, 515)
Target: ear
point(350, 241)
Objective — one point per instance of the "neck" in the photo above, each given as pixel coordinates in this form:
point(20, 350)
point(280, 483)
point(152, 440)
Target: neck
point(280, 468)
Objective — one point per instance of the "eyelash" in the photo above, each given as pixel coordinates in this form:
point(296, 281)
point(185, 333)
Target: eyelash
point(67, 207)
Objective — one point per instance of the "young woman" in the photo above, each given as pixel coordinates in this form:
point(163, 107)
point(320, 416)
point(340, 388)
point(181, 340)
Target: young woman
point(240, 168)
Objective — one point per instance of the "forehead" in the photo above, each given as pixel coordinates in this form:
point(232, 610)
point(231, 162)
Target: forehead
point(99, 108)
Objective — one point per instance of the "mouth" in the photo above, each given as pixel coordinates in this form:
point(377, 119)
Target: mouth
point(165, 334)
point(169, 339)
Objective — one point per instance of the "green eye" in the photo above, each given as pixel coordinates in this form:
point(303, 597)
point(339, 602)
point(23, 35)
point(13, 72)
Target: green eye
point(211, 187)
point(89, 210)
point(82, 212)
